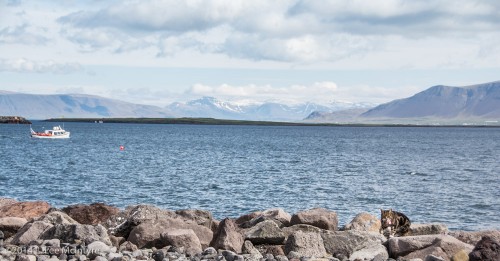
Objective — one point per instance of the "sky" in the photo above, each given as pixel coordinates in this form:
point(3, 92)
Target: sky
point(157, 52)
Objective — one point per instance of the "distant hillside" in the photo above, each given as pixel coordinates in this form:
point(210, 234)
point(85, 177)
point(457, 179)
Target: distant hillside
point(33, 106)
point(480, 101)
point(343, 116)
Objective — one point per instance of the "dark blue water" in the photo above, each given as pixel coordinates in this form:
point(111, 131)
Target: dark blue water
point(449, 175)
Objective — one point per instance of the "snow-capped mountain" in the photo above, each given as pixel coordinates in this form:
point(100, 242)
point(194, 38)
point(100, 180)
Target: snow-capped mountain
point(267, 111)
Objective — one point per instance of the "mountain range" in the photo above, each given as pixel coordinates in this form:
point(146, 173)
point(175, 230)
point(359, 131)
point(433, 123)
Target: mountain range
point(447, 104)
point(437, 104)
point(35, 106)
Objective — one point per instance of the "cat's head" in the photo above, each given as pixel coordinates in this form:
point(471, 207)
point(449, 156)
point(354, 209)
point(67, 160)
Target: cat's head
point(386, 217)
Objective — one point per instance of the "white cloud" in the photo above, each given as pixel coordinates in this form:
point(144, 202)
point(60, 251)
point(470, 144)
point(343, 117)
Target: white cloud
point(297, 32)
point(28, 66)
point(21, 34)
point(318, 92)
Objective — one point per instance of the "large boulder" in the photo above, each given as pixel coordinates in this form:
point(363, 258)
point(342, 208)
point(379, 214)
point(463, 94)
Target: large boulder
point(472, 237)
point(277, 215)
point(29, 232)
point(427, 229)
point(201, 217)
point(248, 248)
point(10, 225)
point(93, 214)
point(300, 227)
point(57, 218)
point(148, 234)
point(421, 246)
point(305, 245)
point(124, 222)
point(185, 238)
point(345, 243)
point(318, 217)
point(76, 233)
point(364, 222)
point(266, 232)
point(375, 252)
point(228, 236)
point(27, 210)
point(486, 249)
point(243, 221)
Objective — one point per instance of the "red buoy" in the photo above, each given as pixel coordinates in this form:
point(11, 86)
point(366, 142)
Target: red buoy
point(122, 147)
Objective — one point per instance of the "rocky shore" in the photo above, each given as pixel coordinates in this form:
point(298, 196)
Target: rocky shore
point(35, 231)
point(14, 120)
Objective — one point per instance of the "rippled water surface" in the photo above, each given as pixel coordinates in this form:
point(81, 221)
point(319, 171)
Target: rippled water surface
point(449, 175)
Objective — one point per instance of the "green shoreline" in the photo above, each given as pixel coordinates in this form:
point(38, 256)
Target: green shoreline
point(212, 121)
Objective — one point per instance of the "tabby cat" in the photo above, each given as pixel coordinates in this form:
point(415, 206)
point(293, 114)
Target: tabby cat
point(394, 223)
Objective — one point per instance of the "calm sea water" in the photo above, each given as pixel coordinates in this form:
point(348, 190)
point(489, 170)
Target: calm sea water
point(448, 175)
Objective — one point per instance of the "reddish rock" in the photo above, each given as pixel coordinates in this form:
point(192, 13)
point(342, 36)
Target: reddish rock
point(93, 214)
point(364, 222)
point(318, 217)
point(228, 236)
point(27, 210)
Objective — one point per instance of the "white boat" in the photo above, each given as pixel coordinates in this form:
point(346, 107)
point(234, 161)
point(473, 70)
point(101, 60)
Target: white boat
point(56, 133)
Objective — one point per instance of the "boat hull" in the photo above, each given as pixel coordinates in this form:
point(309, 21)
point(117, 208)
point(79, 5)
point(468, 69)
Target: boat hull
point(62, 136)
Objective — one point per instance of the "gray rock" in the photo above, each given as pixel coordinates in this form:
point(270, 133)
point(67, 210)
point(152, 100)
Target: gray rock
point(52, 242)
point(100, 258)
point(422, 246)
point(305, 244)
point(74, 233)
point(200, 217)
point(57, 218)
point(10, 225)
point(318, 217)
point(364, 222)
point(248, 248)
point(281, 258)
point(158, 255)
point(433, 258)
point(136, 215)
point(300, 227)
point(148, 234)
point(277, 215)
point(127, 246)
point(266, 232)
point(228, 255)
point(375, 252)
point(30, 232)
point(185, 238)
point(228, 236)
point(472, 237)
point(427, 229)
point(114, 256)
point(344, 243)
point(209, 251)
point(238, 258)
point(97, 248)
point(486, 249)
